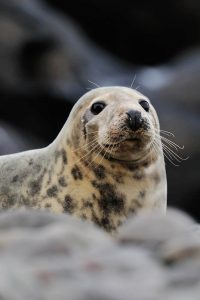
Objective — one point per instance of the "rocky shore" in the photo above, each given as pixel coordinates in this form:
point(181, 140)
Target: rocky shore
point(45, 256)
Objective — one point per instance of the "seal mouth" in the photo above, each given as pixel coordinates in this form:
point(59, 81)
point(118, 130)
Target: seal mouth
point(131, 140)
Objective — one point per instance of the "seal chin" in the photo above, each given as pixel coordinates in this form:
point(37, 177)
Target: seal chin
point(126, 149)
point(117, 144)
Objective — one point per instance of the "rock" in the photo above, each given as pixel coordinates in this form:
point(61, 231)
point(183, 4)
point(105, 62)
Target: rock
point(48, 256)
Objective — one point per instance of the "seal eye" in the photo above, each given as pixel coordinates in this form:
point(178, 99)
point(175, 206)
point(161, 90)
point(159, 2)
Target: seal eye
point(144, 104)
point(97, 107)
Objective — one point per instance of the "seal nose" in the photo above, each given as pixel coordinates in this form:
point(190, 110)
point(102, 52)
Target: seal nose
point(135, 120)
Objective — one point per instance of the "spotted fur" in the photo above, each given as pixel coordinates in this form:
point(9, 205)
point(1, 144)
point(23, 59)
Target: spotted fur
point(76, 175)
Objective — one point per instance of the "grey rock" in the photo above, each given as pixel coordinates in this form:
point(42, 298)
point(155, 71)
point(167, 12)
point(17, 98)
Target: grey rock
point(45, 256)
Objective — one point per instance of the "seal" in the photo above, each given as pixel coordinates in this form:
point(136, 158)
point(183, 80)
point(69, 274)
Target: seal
point(105, 164)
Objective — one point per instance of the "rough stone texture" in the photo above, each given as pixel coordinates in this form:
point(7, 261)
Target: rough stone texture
point(45, 256)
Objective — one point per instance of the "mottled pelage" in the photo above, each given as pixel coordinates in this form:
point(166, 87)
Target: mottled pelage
point(106, 163)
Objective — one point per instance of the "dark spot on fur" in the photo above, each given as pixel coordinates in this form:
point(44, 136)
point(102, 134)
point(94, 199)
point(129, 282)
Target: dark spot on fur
point(64, 156)
point(24, 201)
point(99, 172)
point(5, 190)
point(4, 203)
point(136, 204)
point(109, 200)
point(156, 178)
point(76, 173)
point(68, 142)
point(138, 175)
point(62, 181)
point(145, 124)
point(8, 201)
point(30, 162)
point(15, 178)
point(83, 216)
point(62, 153)
point(145, 164)
point(131, 167)
point(48, 205)
point(105, 223)
point(52, 191)
point(142, 194)
point(118, 178)
point(94, 196)
point(12, 200)
point(119, 223)
point(35, 187)
point(37, 168)
point(87, 204)
point(68, 204)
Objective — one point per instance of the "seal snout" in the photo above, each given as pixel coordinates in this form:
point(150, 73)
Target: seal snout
point(135, 120)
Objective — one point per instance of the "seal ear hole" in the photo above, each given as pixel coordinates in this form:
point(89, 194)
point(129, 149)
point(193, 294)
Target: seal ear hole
point(97, 107)
point(145, 105)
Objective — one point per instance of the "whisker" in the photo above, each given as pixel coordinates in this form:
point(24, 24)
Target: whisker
point(168, 133)
point(172, 143)
point(169, 142)
point(93, 160)
point(132, 83)
point(137, 87)
point(86, 145)
point(175, 154)
point(171, 154)
point(94, 83)
point(166, 154)
point(88, 153)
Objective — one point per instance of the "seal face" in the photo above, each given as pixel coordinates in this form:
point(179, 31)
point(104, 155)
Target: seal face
point(106, 163)
point(122, 125)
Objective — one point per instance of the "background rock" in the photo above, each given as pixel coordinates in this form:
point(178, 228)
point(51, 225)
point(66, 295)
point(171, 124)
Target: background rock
point(46, 60)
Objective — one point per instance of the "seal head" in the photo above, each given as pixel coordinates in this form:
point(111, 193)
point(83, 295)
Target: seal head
point(118, 123)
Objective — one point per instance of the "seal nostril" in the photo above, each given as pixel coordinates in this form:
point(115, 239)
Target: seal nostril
point(134, 120)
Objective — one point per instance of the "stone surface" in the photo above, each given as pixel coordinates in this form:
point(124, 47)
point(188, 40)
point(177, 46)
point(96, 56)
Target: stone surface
point(45, 256)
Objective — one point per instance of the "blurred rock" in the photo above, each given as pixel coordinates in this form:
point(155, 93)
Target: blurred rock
point(142, 32)
point(46, 256)
point(14, 140)
point(45, 64)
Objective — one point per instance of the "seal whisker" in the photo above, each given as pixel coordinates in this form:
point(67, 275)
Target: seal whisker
point(171, 143)
point(88, 153)
point(168, 133)
point(171, 155)
point(101, 149)
point(166, 154)
point(137, 87)
point(133, 81)
point(86, 145)
point(174, 153)
point(106, 151)
point(95, 84)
